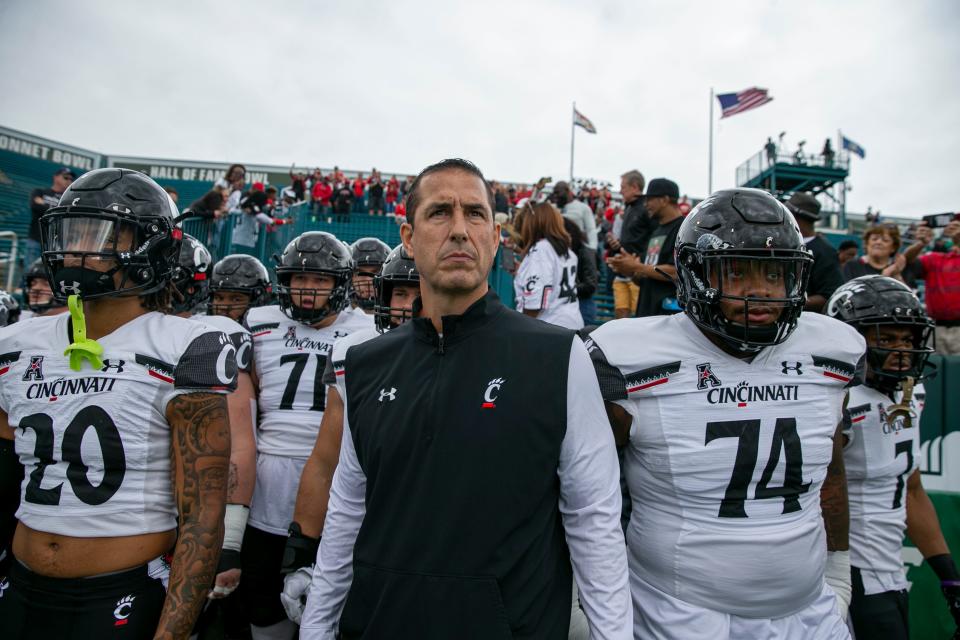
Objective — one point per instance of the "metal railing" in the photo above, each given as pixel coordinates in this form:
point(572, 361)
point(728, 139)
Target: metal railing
point(8, 259)
point(760, 162)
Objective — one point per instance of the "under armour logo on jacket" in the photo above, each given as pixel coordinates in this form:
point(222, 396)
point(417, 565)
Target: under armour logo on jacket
point(392, 394)
point(787, 368)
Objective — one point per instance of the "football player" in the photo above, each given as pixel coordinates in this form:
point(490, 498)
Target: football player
point(881, 456)
point(396, 287)
point(37, 294)
point(237, 283)
point(191, 292)
point(124, 437)
point(291, 344)
point(730, 412)
point(368, 255)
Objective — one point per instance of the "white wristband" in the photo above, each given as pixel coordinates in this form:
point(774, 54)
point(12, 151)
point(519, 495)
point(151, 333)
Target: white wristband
point(234, 524)
point(837, 575)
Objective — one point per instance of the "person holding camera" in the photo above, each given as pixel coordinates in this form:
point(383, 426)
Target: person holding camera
point(941, 272)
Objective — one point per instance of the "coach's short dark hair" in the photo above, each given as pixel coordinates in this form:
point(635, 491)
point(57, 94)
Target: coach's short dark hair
point(459, 164)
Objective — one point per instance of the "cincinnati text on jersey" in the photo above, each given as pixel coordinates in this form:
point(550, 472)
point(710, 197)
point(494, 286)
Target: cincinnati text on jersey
point(62, 387)
point(307, 343)
point(745, 393)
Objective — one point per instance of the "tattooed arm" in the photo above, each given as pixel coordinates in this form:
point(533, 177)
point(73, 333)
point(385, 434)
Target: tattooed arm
point(200, 455)
point(833, 499)
point(243, 447)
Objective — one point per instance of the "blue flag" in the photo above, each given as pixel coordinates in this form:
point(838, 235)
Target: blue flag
point(853, 147)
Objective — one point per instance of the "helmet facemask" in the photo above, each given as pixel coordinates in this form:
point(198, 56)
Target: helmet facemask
point(719, 289)
point(908, 363)
point(363, 292)
point(292, 299)
point(93, 253)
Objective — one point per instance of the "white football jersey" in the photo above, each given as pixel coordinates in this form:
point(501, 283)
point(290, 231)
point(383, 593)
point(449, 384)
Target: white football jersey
point(333, 374)
point(880, 455)
point(726, 457)
point(548, 283)
point(237, 333)
point(95, 444)
point(289, 358)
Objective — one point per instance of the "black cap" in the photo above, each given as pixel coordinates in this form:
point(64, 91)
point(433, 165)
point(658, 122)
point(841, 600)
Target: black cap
point(65, 171)
point(663, 187)
point(804, 205)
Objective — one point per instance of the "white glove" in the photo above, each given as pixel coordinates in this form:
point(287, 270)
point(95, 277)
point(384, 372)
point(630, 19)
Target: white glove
point(296, 587)
point(837, 575)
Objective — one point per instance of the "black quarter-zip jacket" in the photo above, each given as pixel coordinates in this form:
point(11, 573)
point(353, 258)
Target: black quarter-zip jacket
point(459, 435)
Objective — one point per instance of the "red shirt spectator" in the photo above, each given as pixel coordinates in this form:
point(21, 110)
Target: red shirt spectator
point(393, 190)
point(941, 272)
point(684, 206)
point(401, 211)
point(322, 192)
point(358, 185)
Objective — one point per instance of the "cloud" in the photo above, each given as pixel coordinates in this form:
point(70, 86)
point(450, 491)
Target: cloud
point(400, 85)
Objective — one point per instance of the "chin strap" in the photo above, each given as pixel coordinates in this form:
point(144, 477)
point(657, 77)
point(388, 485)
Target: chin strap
point(82, 348)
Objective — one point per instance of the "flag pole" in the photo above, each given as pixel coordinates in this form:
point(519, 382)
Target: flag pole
point(573, 130)
point(710, 152)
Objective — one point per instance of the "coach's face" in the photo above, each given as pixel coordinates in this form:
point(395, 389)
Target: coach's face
point(454, 238)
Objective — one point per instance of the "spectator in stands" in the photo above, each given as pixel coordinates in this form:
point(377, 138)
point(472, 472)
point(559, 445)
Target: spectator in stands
point(500, 202)
point(771, 149)
point(375, 191)
point(40, 201)
point(656, 273)
point(322, 192)
point(684, 205)
point(825, 275)
point(881, 245)
point(545, 283)
point(298, 182)
point(587, 277)
point(359, 186)
point(631, 233)
point(941, 272)
point(847, 251)
point(405, 187)
point(233, 181)
point(255, 213)
point(392, 194)
point(827, 153)
point(343, 201)
point(580, 212)
point(212, 205)
point(173, 194)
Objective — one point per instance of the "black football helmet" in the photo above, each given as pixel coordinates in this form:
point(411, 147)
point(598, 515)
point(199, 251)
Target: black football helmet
point(110, 222)
point(191, 276)
point(242, 274)
point(398, 268)
point(731, 233)
point(9, 309)
point(368, 256)
point(316, 252)
point(871, 302)
point(34, 273)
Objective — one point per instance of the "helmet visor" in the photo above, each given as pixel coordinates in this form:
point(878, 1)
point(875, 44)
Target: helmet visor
point(88, 234)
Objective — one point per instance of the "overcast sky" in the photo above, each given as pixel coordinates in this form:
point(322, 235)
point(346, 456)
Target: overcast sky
point(398, 85)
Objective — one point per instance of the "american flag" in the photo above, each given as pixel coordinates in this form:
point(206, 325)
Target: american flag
point(583, 121)
point(734, 103)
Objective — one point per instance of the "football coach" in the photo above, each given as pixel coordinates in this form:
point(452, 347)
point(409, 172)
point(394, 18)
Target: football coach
point(477, 464)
